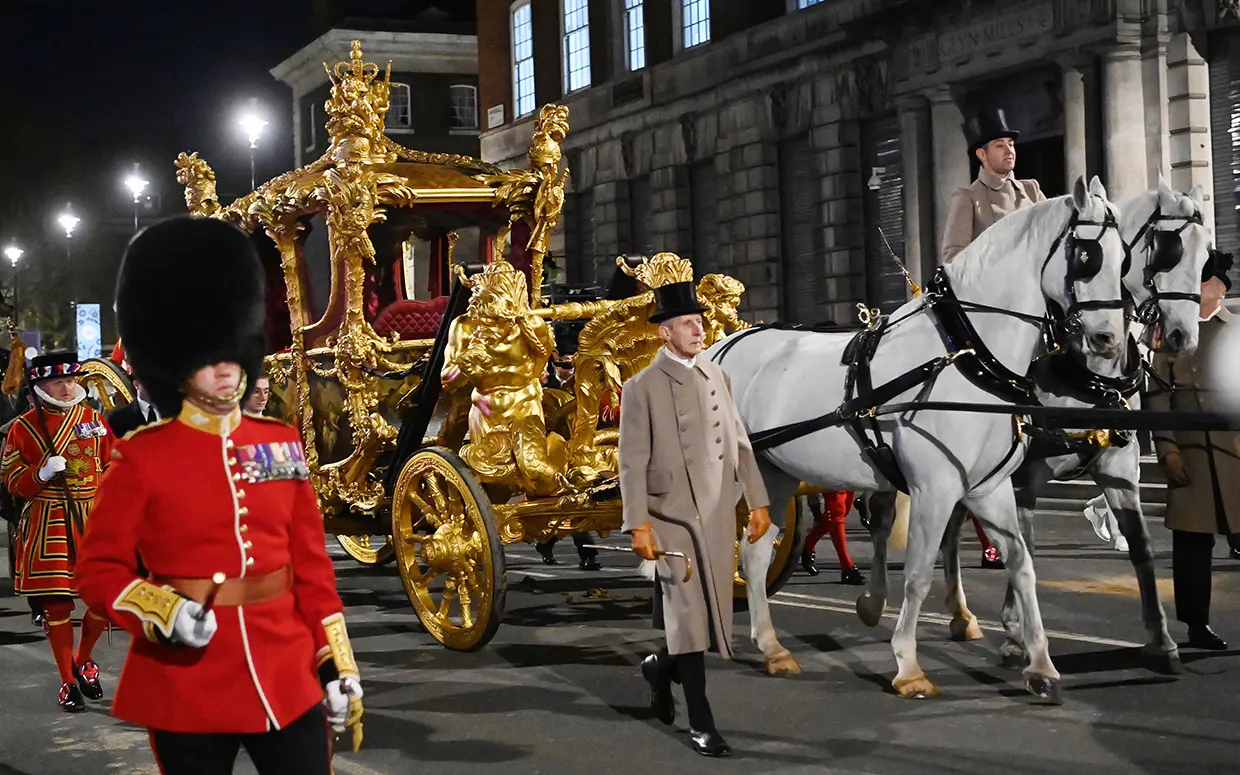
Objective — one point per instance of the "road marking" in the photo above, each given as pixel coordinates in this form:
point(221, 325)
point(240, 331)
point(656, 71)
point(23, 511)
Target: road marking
point(795, 600)
point(350, 766)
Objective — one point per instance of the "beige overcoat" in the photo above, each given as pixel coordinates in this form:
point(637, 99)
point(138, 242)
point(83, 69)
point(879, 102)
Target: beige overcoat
point(685, 461)
point(977, 207)
point(1212, 459)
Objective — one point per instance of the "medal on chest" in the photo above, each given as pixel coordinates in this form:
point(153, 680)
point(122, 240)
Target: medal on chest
point(91, 429)
point(273, 462)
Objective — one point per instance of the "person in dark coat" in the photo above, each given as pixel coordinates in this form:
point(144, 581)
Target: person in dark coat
point(128, 418)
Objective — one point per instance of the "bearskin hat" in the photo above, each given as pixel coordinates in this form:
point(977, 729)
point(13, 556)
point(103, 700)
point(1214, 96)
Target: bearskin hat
point(189, 294)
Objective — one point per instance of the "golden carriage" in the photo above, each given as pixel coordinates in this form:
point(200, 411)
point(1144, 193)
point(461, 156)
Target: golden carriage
point(409, 336)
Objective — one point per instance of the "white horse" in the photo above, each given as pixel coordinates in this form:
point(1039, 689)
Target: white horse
point(1168, 251)
point(1003, 281)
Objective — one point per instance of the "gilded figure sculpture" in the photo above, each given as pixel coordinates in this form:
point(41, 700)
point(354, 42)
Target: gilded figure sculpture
point(500, 350)
point(199, 181)
point(721, 295)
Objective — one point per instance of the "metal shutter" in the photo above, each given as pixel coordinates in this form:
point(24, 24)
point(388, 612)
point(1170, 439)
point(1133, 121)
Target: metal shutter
point(640, 233)
point(798, 200)
point(1225, 136)
point(883, 209)
point(704, 217)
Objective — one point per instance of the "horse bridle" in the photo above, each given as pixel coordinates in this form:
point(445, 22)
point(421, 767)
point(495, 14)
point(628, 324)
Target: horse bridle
point(1164, 249)
point(1084, 257)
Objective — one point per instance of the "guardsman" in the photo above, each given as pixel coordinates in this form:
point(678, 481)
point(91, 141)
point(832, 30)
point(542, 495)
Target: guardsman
point(54, 456)
point(239, 635)
point(685, 461)
point(977, 207)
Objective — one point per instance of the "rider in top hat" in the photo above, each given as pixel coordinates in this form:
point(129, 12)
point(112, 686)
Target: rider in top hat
point(54, 457)
point(975, 208)
point(218, 506)
point(685, 461)
point(996, 192)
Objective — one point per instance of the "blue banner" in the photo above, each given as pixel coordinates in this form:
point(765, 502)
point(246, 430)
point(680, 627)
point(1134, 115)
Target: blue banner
point(89, 332)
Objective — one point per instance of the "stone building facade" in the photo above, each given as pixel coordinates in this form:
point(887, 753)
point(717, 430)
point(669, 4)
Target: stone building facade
point(798, 147)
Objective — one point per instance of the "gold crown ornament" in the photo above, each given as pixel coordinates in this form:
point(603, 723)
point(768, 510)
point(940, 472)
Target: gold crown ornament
point(660, 270)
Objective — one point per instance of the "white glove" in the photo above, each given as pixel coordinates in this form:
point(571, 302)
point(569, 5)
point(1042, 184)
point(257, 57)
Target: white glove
point(188, 630)
point(54, 465)
point(337, 701)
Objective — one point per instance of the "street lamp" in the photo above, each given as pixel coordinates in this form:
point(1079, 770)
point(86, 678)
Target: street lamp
point(13, 253)
point(68, 221)
point(253, 125)
point(136, 185)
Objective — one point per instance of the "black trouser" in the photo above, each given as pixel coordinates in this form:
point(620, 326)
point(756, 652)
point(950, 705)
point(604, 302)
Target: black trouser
point(689, 670)
point(1192, 561)
point(580, 539)
point(302, 747)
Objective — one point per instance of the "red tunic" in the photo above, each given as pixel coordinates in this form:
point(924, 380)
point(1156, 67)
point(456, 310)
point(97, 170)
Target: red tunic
point(183, 493)
point(47, 541)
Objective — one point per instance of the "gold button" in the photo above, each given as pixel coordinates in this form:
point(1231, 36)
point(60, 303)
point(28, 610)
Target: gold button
point(232, 461)
point(248, 545)
point(241, 512)
point(249, 561)
point(236, 477)
point(229, 444)
point(240, 493)
point(243, 528)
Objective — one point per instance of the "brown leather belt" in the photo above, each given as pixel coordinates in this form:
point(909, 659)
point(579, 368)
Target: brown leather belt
point(250, 590)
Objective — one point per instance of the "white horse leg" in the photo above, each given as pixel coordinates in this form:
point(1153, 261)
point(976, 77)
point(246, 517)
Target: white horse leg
point(1117, 472)
point(964, 626)
point(928, 517)
point(873, 601)
point(997, 509)
point(1012, 652)
point(755, 560)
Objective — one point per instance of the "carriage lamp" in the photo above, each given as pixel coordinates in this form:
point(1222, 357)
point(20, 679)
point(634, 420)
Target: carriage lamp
point(136, 185)
point(12, 253)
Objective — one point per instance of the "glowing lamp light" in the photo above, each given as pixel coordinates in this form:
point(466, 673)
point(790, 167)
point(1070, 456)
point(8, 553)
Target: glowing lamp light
point(68, 222)
point(253, 126)
point(136, 185)
point(12, 253)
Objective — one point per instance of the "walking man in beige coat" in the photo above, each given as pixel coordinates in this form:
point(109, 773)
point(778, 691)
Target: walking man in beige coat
point(977, 207)
point(1202, 467)
point(685, 461)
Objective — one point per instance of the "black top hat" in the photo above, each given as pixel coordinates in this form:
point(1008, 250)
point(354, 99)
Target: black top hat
point(53, 366)
point(1217, 265)
point(190, 293)
point(674, 300)
point(985, 126)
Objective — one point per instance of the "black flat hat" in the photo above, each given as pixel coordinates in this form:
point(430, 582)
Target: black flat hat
point(674, 300)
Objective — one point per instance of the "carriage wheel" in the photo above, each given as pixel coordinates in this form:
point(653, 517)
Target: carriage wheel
point(111, 383)
point(784, 559)
point(367, 551)
point(448, 550)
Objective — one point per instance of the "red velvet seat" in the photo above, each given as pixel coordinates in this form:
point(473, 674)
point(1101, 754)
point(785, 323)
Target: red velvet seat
point(411, 319)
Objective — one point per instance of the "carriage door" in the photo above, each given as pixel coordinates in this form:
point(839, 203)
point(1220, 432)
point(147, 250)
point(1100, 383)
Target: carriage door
point(883, 212)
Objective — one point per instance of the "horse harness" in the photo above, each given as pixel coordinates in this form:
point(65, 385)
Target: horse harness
point(1164, 249)
point(965, 349)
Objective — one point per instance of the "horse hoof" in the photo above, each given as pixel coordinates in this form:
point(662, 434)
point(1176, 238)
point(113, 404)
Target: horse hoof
point(1013, 660)
point(918, 688)
point(1045, 688)
point(870, 609)
point(963, 629)
point(1167, 663)
point(782, 662)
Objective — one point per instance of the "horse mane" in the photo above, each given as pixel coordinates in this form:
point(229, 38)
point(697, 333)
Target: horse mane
point(1019, 228)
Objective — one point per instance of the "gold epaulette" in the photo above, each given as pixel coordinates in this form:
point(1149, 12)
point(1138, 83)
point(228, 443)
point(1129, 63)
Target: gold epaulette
point(149, 426)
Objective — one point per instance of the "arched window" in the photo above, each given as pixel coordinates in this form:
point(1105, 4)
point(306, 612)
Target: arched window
point(464, 107)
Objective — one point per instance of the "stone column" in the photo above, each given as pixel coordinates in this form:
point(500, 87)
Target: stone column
point(920, 251)
point(1188, 88)
point(1123, 122)
point(951, 155)
point(1076, 152)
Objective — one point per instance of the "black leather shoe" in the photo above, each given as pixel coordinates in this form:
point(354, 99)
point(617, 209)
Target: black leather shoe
point(709, 743)
point(38, 619)
point(852, 577)
point(589, 562)
point(808, 562)
point(1233, 553)
point(88, 680)
point(547, 552)
point(655, 669)
point(1202, 637)
point(71, 699)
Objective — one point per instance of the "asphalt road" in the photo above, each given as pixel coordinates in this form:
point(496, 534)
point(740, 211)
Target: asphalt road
point(558, 690)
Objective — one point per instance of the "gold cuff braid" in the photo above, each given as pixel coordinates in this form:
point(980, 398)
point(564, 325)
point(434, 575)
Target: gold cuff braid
point(155, 606)
point(339, 646)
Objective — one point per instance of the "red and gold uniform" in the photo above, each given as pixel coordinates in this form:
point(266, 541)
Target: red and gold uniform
point(195, 496)
point(50, 532)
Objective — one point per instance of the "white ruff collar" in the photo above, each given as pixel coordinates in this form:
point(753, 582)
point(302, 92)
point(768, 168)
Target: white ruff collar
point(78, 398)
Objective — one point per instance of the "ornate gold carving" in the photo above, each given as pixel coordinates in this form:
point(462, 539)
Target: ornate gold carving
point(155, 606)
point(663, 269)
point(537, 194)
point(199, 181)
point(500, 350)
point(721, 295)
point(542, 520)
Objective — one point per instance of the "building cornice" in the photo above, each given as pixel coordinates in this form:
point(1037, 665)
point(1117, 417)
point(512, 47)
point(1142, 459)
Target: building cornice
point(409, 52)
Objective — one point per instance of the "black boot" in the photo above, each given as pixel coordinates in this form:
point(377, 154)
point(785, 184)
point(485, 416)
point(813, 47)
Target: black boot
point(589, 559)
point(547, 552)
point(657, 670)
point(1200, 636)
point(808, 562)
point(703, 733)
point(852, 577)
